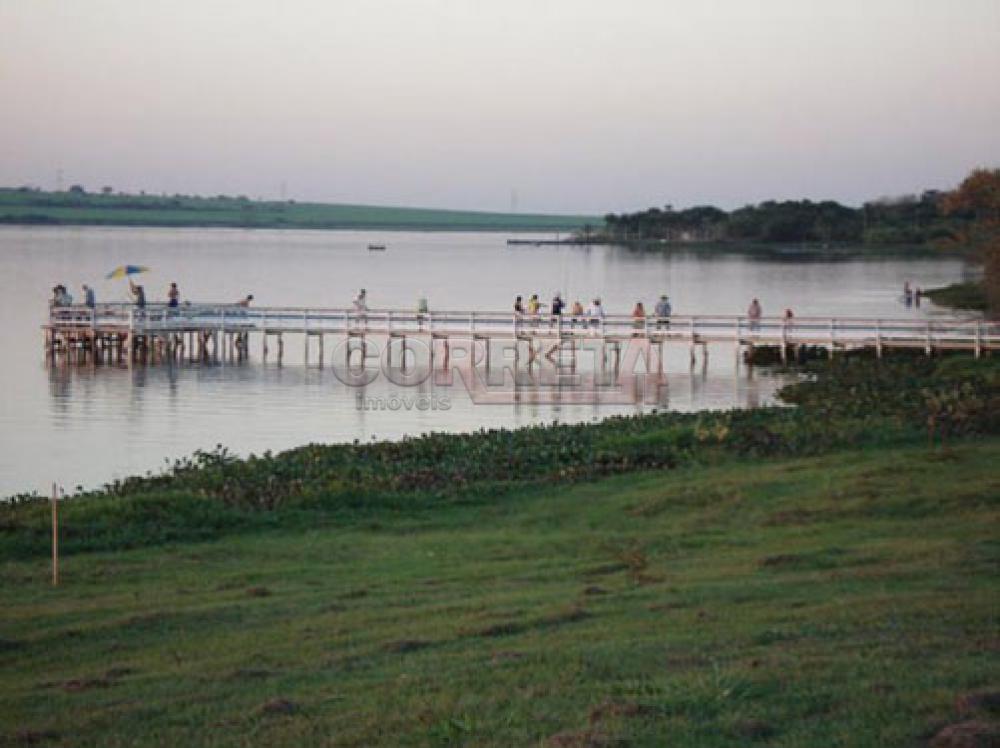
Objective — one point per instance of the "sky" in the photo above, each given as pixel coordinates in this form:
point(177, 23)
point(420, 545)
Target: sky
point(568, 106)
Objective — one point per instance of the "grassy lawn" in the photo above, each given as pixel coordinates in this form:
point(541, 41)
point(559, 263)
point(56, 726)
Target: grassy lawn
point(845, 599)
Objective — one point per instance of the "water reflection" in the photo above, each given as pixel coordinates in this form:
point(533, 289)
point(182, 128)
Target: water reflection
point(88, 424)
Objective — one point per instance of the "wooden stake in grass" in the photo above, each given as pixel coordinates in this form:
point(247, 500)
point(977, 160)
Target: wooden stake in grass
point(55, 535)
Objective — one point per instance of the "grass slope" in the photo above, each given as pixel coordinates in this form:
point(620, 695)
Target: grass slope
point(149, 210)
point(970, 295)
point(844, 599)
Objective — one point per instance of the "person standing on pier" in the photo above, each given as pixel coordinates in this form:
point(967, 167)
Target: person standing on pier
point(754, 312)
point(663, 312)
point(556, 309)
point(596, 313)
point(638, 318)
point(361, 301)
point(577, 311)
point(173, 296)
point(423, 309)
point(88, 296)
point(138, 293)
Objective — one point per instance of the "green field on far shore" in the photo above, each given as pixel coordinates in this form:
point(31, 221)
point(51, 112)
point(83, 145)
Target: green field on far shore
point(75, 208)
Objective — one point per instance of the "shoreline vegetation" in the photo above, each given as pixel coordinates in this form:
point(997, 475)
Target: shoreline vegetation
point(904, 222)
point(969, 295)
point(816, 575)
point(906, 225)
point(851, 401)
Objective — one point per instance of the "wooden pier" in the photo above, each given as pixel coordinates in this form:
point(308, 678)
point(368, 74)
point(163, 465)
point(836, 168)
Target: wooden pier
point(157, 333)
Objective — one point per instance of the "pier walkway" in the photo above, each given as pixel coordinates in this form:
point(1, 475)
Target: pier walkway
point(211, 330)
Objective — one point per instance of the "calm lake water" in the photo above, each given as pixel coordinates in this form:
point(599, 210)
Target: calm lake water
point(79, 426)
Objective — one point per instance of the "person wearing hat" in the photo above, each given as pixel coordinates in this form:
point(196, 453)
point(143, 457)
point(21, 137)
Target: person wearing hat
point(663, 311)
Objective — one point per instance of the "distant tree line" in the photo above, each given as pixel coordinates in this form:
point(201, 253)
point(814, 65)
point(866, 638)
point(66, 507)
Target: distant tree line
point(910, 219)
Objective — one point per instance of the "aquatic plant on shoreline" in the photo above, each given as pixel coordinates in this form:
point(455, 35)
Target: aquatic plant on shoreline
point(850, 402)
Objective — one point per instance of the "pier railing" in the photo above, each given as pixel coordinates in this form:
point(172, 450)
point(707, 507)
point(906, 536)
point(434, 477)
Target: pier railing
point(971, 334)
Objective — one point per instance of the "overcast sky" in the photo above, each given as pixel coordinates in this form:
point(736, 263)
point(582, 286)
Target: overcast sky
point(572, 105)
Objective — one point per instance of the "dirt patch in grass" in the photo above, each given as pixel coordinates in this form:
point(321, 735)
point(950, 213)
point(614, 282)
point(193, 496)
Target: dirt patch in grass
point(978, 701)
point(668, 606)
point(782, 560)
point(753, 729)
point(605, 570)
point(354, 594)
point(277, 707)
point(819, 560)
point(25, 736)
point(501, 657)
point(509, 628)
point(616, 709)
point(258, 592)
point(578, 739)
point(972, 733)
point(794, 517)
point(505, 628)
point(406, 645)
point(76, 685)
point(118, 672)
point(251, 673)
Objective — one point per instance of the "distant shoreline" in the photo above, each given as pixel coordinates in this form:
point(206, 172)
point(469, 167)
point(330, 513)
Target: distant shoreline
point(29, 207)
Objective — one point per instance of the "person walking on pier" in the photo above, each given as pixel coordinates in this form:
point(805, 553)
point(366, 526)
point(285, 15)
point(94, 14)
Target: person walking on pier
point(754, 313)
point(89, 298)
point(663, 312)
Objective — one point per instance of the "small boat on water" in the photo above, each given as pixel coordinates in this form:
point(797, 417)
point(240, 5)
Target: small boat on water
point(376, 248)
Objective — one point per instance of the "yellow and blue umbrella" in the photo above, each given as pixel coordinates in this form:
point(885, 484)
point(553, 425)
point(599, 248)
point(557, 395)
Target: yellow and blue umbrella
point(123, 271)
